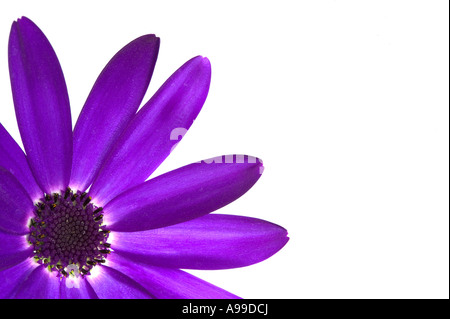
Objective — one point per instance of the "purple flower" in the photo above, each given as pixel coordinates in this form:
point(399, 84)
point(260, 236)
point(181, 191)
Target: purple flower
point(78, 218)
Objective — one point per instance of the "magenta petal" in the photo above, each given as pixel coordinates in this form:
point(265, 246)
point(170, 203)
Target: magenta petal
point(112, 284)
point(112, 103)
point(13, 160)
point(13, 250)
point(209, 242)
point(16, 207)
point(165, 283)
point(183, 194)
point(149, 137)
point(76, 288)
point(42, 105)
point(12, 259)
point(12, 243)
point(40, 284)
point(12, 278)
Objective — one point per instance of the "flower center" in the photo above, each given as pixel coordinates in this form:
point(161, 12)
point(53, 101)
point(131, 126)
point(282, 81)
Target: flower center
point(68, 234)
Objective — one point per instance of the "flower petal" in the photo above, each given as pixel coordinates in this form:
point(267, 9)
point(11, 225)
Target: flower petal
point(40, 284)
point(209, 242)
point(13, 160)
point(13, 250)
point(109, 283)
point(183, 194)
point(166, 283)
point(42, 105)
point(12, 278)
point(112, 103)
point(76, 288)
point(148, 139)
point(15, 203)
point(12, 243)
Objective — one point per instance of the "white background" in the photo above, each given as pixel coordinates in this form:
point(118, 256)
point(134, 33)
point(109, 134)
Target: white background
point(345, 101)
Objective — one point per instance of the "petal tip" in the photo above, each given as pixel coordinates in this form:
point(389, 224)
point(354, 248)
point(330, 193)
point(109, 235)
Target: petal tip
point(148, 39)
point(23, 21)
point(258, 162)
point(20, 19)
point(205, 60)
point(201, 61)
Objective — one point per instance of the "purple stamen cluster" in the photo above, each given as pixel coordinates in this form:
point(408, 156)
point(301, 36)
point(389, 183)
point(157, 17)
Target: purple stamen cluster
point(68, 230)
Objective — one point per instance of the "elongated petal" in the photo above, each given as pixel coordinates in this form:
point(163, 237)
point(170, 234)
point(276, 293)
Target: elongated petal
point(12, 278)
point(16, 207)
point(76, 288)
point(42, 105)
point(112, 103)
point(12, 259)
point(40, 284)
point(148, 139)
point(166, 283)
point(183, 194)
point(109, 283)
point(13, 160)
point(12, 243)
point(209, 242)
point(14, 249)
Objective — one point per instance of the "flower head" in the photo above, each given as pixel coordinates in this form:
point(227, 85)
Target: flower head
point(78, 218)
